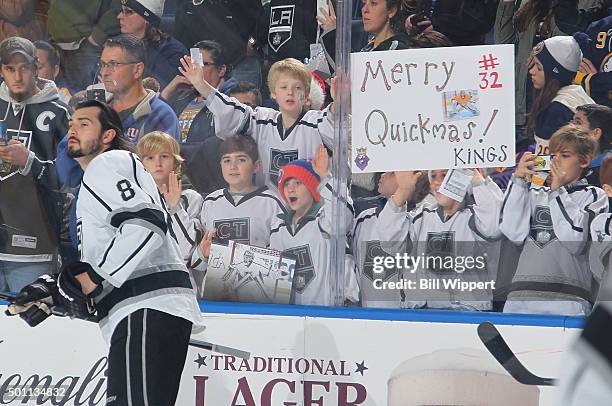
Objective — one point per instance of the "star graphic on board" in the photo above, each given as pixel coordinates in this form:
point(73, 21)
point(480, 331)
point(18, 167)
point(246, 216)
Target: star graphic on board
point(200, 361)
point(361, 367)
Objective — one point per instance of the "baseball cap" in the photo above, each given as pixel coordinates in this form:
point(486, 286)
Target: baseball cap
point(17, 45)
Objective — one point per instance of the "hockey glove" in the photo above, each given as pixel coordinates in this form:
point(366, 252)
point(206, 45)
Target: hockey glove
point(71, 298)
point(33, 302)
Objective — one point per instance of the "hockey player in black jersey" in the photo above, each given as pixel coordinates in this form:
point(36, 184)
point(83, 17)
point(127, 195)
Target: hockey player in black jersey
point(131, 271)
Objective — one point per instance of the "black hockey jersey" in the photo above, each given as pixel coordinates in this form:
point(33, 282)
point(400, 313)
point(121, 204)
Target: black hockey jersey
point(286, 29)
point(30, 202)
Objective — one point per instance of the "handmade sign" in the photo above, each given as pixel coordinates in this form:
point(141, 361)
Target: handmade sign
point(433, 108)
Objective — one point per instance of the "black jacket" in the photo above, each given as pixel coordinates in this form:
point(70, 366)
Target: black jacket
point(286, 28)
point(31, 205)
point(464, 22)
point(230, 22)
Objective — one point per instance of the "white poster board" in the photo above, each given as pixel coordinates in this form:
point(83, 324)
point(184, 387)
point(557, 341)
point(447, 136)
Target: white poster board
point(433, 108)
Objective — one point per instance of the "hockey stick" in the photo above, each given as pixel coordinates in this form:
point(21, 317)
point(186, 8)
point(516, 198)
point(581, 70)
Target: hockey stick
point(495, 343)
point(221, 349)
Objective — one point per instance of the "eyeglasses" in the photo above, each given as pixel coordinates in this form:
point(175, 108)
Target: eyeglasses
point(127, 11)
point(112, 65)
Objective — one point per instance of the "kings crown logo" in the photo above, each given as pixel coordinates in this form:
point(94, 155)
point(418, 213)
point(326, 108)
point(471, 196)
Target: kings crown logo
point(362, 160)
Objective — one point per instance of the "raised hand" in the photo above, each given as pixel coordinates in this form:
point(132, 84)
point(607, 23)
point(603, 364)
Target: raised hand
point(406, 185)
point(587, 67)
point(195, 74)
point(525, 165)
point(558, 176)
point(174, 84)
point(327, 18)
point(321, 162)
point(477, 178)
point(172, 190)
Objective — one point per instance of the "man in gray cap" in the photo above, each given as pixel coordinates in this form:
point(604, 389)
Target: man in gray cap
point(32, 121)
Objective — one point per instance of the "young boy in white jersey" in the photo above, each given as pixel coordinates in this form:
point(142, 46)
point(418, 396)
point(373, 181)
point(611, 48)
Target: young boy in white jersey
point(366, 247)
point(160, 155)
point(552, 224)
point(447, 241)
point(242, 212)
point(281, 136)
point(306, 230)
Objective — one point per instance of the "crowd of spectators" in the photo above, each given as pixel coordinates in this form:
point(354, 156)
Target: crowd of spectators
point(248, 134)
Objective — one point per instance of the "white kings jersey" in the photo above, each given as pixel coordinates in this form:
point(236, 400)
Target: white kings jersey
point(186, 221)
point(124, 234)
point(553, 227)
point(277, 146)
point(600, 252)
point(428, 233)
point(366, 247)
point(310, 242)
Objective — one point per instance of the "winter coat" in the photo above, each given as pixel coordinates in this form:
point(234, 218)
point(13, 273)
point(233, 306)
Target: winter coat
point(31, 204)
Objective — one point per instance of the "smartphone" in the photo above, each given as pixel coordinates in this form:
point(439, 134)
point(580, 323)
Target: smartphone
point(542, 163)
point(3, 133)
point(196, 56)
point(96, 94)
point(415, 19)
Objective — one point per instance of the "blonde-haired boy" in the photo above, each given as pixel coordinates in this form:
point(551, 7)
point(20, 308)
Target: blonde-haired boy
point(160, 155)
point(282, 136)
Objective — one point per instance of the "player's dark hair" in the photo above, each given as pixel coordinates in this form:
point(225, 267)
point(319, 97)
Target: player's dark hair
point(247, 87)
point(109, 120)
point(240, 143)
point(52, 55)
point(217, 54)
point(131, 44)
point(599, 116)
